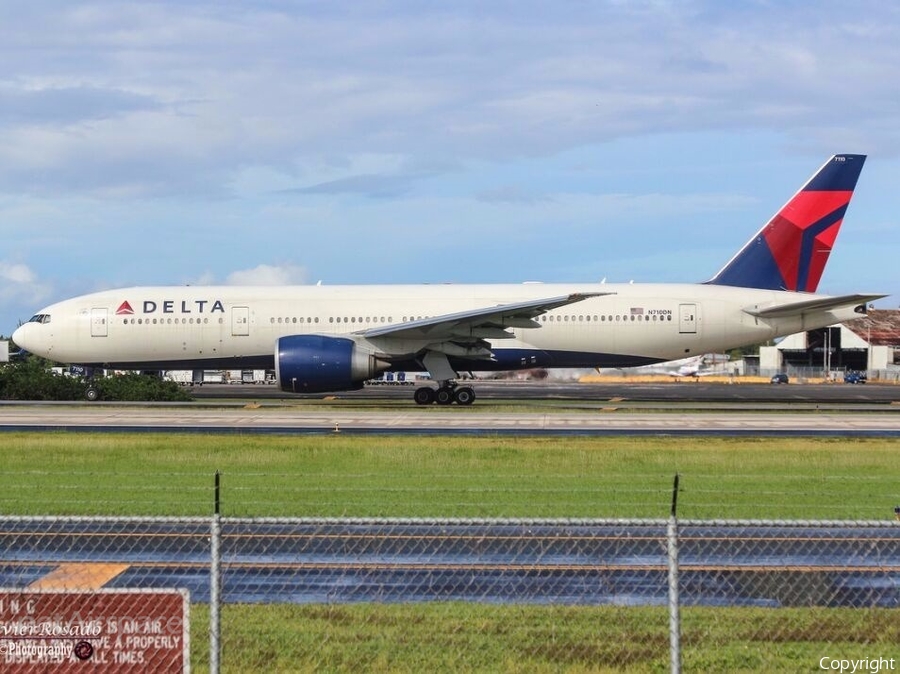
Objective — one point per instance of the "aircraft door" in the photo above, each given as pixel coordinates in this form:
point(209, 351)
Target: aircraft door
point(687, 319)
point(240, 321)
point(99, 326)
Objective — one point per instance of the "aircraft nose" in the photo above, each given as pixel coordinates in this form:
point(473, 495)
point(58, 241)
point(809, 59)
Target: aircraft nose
point(27, 339)
point(19, 336)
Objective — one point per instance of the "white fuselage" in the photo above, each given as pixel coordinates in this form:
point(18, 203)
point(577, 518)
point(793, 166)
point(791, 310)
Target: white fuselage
point(227, 326)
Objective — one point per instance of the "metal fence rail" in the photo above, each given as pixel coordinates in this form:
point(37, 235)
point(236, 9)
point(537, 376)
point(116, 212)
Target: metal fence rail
point(780, 584)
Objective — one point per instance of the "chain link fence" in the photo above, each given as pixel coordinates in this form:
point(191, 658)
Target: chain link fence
point(704, 592)
point(341, 594)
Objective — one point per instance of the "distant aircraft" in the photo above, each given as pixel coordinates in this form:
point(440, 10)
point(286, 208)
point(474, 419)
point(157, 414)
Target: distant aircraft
point(331, 338)
point(698, 366)
point(693, 366)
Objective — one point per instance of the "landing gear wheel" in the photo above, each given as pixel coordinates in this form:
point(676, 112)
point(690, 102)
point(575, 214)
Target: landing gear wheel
point(424, 395)
point(92, 394)
point(444, 395)
point(465, 395)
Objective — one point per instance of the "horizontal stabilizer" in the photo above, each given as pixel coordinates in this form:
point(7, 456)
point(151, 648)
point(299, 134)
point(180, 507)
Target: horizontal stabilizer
point(816, 304)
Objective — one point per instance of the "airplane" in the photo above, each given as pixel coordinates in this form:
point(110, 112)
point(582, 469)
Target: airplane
point(694, 366)
point(331, 338)
point(701, 366)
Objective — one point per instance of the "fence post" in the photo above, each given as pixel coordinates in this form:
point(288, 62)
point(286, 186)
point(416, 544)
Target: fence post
point(674, 614)
point(215, 647)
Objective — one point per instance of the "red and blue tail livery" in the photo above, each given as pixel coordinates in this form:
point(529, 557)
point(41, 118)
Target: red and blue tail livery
point(790, 252)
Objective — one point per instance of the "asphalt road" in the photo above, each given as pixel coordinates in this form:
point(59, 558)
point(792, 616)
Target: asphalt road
point(680, 391)
point(607, 419)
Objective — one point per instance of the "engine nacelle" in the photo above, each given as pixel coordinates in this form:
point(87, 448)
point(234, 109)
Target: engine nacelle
point(316, 363)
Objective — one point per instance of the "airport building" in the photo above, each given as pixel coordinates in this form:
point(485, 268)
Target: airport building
point(867, 344)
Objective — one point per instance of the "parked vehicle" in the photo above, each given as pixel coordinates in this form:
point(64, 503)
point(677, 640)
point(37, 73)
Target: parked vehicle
point(854, 377)
point(780, 378)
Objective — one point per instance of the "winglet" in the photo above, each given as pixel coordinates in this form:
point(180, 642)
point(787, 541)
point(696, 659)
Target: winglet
point(790, 251)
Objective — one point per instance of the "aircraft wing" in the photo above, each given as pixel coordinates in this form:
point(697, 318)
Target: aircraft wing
point(813, 304)
point(483, 323)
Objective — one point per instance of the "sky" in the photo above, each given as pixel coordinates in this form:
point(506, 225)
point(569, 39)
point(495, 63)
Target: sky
point(254, 142)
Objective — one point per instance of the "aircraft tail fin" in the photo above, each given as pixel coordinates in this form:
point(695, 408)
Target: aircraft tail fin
point(790, 251)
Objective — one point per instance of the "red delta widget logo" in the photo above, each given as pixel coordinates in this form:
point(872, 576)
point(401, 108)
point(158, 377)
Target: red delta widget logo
point(173, 307)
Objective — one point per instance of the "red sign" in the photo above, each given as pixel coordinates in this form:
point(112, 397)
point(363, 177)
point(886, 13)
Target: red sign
point(114, 631)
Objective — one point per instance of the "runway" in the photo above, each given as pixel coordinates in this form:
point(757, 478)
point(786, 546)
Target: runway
point(612, 418)
point(531, 391)
point(597, 562)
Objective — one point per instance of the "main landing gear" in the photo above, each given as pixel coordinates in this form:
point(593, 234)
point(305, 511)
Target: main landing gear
point(448, 392)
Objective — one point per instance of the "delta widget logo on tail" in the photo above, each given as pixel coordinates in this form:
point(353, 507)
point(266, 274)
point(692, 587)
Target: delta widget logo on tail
point(791, 250)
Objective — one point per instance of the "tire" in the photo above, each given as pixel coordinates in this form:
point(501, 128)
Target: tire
point(92, 394)
point(443, 396)
point(465, 395)
point(424, 395)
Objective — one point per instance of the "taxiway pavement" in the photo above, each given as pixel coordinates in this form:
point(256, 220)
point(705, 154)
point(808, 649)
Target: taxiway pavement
point(610, 419)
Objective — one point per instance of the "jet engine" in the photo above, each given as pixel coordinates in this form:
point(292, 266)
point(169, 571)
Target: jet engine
point(316, 363)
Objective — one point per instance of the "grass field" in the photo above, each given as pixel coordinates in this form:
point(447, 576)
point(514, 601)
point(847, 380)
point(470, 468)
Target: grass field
point(379, 476)
point(334, 475)
point(447, 637)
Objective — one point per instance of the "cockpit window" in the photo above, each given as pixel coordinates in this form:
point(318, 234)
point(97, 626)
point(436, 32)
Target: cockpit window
point(40, 318)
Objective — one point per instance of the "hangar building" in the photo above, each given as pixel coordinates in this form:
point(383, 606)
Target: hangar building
point(870, 344)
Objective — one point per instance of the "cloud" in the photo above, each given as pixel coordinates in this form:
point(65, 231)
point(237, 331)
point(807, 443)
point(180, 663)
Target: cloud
point(268, 275)
point(20, 285)
point(73, 104)
point(16, 273)
point(380, 186)
point(148, 99)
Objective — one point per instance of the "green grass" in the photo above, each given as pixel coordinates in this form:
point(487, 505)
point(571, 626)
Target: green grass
point(379, 476)
point(450, 637)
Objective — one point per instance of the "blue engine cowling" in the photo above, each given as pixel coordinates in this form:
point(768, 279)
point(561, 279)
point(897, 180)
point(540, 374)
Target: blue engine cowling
point(316, 363)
